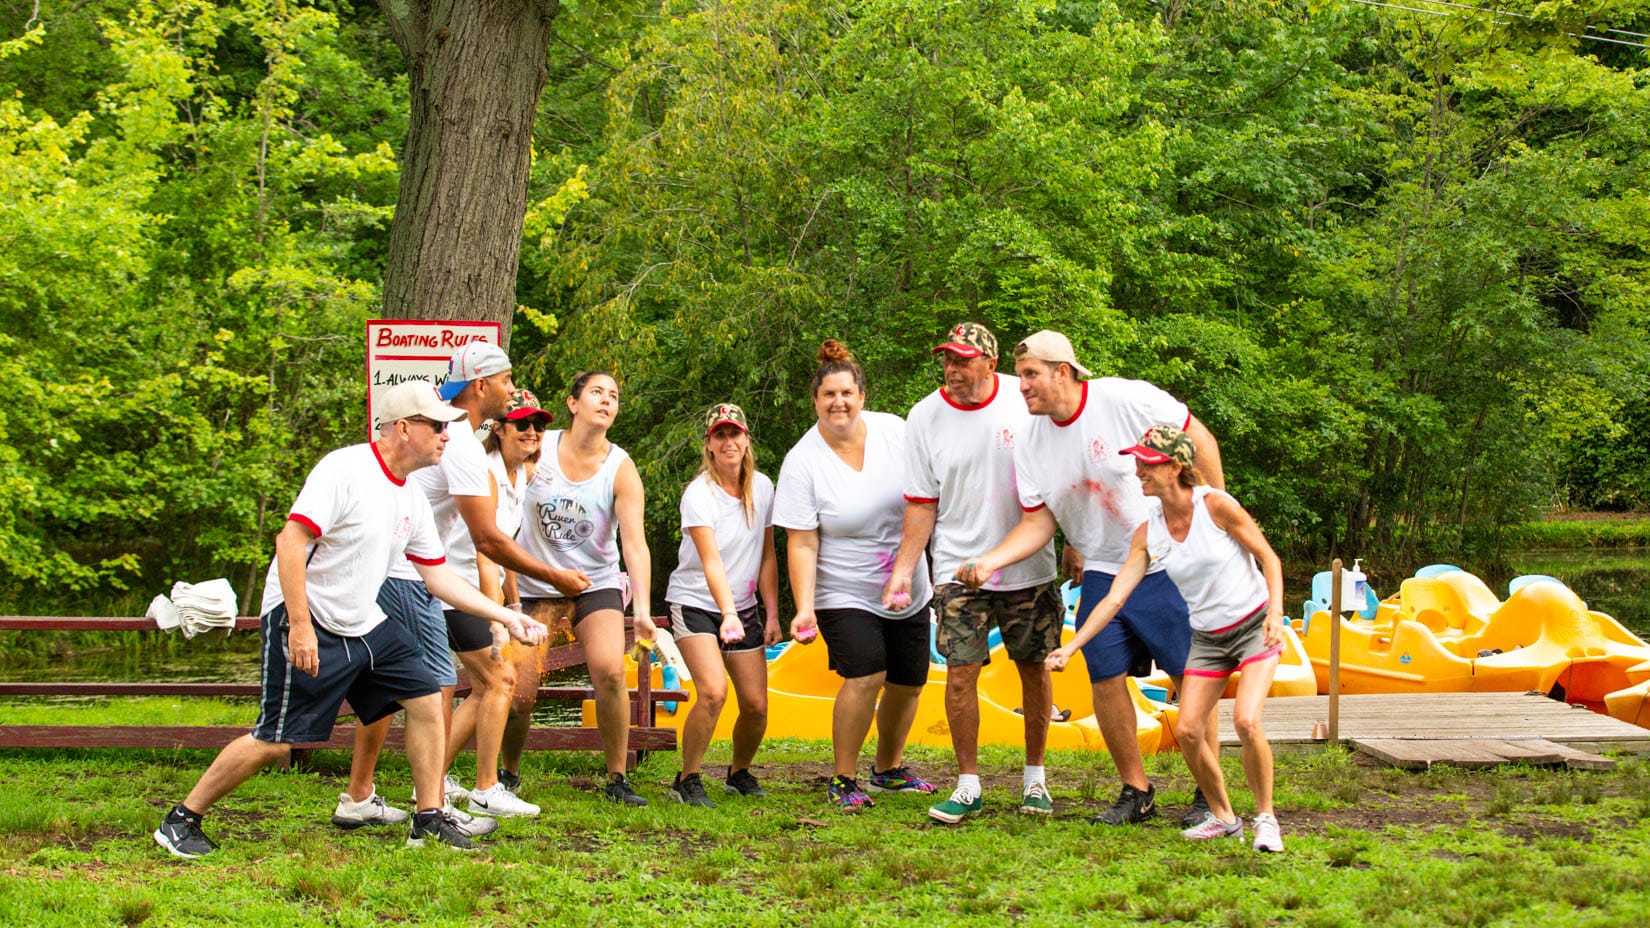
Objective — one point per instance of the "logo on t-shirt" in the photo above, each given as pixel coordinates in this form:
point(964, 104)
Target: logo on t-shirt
point(1097, 451)
point(564, 523)
point(1004, 439)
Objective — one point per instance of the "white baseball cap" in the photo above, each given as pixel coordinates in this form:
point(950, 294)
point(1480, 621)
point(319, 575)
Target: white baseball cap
point(1050, 347)
point(473, 361)
point(416, 398)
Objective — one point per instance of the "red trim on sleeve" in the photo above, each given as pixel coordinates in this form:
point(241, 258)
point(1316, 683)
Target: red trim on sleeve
point(427, 561)
point(921, 499)
point(386, 468)
point(996, 384)
point(1188, 421)
point(1025, 508)
point(306, 522)
point(1080, 404)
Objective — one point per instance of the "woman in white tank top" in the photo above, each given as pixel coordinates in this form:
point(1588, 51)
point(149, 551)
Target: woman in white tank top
point(1209, 546)
point(585, 495)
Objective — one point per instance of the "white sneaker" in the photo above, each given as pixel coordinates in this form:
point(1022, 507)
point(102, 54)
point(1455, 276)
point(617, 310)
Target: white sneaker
point(372, 810)
point(471, 826)
point(1268, 838)
point(499, 802)
point(455, 791)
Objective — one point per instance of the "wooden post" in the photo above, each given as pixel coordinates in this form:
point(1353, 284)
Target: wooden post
point(1335, 652)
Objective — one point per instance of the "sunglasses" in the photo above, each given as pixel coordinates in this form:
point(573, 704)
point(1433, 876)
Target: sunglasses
point(436, 426)
point(522, 425)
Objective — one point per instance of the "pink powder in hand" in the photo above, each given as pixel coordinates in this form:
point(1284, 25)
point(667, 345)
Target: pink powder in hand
point(804, 635)
point(899, 601)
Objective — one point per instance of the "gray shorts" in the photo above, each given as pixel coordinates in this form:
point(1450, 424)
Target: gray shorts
point(1220, 653)
point(409, 604)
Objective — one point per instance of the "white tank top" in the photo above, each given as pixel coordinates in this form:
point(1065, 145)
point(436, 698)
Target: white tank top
point(571, 525)
point(1215, 575)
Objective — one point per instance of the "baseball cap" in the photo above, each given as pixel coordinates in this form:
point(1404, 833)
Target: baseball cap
point(725, 414)
point(524, 405)
point(412, 398)
point(1162, 444)
point(1051, 347)
point(473, 361)
point(969, 340)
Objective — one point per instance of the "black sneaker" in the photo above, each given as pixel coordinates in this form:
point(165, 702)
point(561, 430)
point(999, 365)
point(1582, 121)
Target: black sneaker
point(180, 833)
point(511, 781)
point(439, 827)
point(1199, 810)
point(1132, 807)
point(690, 791)
point(618, 789)
point(742, 782)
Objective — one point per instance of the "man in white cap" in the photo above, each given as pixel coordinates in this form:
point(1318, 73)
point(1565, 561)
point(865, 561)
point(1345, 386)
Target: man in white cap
point(479, 383)
point(960, 491)
point(1071, 476)
point(325, 638)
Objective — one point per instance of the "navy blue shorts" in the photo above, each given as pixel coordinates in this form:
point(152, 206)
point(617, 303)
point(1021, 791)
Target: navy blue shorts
point(410, 603)
point(1152, 626)
point(373, 671)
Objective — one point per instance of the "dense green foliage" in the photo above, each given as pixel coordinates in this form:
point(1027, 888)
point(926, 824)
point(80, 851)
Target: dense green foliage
point(1397, 262)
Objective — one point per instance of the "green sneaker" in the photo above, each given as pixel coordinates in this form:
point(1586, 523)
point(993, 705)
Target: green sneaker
point(1035, 800)
point(953, 810)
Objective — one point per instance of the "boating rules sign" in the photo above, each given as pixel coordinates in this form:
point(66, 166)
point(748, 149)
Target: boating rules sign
point(416, 349)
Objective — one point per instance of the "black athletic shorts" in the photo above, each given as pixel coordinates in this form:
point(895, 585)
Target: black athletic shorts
point(862, 643)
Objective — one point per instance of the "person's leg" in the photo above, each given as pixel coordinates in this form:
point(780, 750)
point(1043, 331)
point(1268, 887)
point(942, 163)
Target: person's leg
point(602, 634)
point(748, 671)
point(906, 645)
point(710, 684)
point(1198, 695)
point(1252, 689)
point(1037, 701)
point(492, 682)
point(962, 713)
point(234, 765)
point(526, 660)
point(1114, 711)
point(363, 763)
point(424, 744)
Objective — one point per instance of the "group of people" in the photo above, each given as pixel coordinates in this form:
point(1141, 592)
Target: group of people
point(430, 541)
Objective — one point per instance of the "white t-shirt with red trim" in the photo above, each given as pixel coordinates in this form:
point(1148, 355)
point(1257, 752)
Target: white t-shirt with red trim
point(706, 505)
point(462, 472)
point(1074, 468)
point(961, 458)
point(365, 521)
point(859, 516)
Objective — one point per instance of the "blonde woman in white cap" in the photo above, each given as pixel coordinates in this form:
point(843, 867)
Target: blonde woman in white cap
point(1215, 554)
point(1070, 476)
point(726, 559)
point(325, 637)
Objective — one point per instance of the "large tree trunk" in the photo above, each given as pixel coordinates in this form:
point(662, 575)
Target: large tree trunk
point(476, 68)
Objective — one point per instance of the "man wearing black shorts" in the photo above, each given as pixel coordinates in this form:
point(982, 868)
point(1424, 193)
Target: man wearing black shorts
point(354, 516)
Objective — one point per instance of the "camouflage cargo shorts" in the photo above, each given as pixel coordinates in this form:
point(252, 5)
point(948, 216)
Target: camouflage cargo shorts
point(1030, 620)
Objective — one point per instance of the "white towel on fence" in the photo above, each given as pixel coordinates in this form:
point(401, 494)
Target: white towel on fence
point(196, 608)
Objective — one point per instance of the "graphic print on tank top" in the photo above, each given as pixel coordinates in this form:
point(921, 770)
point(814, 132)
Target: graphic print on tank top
point(564, 521)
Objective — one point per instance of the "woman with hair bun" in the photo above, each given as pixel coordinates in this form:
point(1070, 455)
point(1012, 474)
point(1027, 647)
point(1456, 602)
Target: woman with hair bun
point(841, 501)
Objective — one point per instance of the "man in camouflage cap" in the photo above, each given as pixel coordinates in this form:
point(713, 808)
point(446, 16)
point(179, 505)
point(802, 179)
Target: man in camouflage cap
point(959, 492)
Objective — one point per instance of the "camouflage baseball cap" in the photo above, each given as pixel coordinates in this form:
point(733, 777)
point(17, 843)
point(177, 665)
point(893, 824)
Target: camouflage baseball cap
point(970, 340)
point(524, 405)
point(1162, 444)
point(725, 414)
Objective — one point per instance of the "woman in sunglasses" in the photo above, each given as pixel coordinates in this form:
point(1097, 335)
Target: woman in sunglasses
point(512, 447)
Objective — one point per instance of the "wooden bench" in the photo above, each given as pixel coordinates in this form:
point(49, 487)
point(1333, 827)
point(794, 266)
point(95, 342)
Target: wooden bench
point(645, 734)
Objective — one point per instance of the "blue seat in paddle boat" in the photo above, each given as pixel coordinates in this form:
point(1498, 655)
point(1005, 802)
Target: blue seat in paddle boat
point(1518, 583)
point(1321, 591)
point(1433, 570)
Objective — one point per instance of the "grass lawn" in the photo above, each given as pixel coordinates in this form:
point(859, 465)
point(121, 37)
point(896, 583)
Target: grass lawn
point(1366, 845)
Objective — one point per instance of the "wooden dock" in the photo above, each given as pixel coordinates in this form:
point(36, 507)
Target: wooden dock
point(1445, 717)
